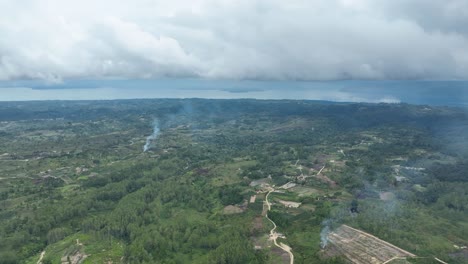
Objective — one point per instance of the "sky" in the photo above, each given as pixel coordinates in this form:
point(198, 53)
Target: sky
point(268, 40)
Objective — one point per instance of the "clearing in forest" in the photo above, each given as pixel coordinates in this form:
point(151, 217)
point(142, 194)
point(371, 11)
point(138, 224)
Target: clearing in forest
point(363, 248)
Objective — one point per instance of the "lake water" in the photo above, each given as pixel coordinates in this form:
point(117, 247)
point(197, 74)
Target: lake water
point(452, 93)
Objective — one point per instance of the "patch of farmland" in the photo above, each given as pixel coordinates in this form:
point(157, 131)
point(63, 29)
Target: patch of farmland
point(362, 248)
point(305, 191)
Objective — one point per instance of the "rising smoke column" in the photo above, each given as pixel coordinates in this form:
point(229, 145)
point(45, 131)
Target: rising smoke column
point(324, 233)
point(152, 137)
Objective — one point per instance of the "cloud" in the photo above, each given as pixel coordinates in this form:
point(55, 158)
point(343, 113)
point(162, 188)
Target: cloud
point(226, 39)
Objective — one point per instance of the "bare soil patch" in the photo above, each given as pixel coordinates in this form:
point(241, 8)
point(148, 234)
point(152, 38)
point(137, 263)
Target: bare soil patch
point(232, 209)
point(325, 179)
point(386, 196)
point(284, 256)
point(363, 248)
point(289, 204)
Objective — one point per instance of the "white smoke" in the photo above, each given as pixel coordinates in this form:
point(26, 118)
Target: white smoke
point(324, 234)
point(152, 137)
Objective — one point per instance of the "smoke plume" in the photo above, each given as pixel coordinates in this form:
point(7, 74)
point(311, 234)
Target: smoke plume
point(324, 234)
point(152, 137)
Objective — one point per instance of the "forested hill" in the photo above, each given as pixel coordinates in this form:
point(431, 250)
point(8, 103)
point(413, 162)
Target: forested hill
point(76, 185)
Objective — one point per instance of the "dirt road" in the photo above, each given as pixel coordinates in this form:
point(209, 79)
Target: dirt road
point(274, 235)
point(41, 257)
point(320, 171)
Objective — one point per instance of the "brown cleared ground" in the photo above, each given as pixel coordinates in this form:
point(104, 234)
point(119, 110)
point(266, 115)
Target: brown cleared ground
point(363, 248)
point(282, 257)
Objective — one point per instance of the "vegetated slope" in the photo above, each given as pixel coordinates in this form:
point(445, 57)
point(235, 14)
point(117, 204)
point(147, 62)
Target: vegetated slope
point(76, 170)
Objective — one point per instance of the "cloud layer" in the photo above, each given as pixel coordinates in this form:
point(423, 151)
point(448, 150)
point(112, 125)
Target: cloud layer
point(234, 39)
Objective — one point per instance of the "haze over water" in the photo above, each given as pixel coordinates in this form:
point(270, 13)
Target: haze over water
point(451, 93)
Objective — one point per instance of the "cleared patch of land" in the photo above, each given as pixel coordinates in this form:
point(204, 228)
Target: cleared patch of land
point(386, 196)
point(232, 209)
point(362, 248)
point(290, 204)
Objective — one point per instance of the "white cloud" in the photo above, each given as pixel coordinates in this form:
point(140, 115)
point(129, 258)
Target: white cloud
point(242, 39)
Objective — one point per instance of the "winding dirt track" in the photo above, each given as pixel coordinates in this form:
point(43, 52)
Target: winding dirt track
point(320, 171)
point(41, 257)
point(274, 235)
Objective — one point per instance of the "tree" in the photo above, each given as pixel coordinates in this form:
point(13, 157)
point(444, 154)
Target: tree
point(354, 206)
